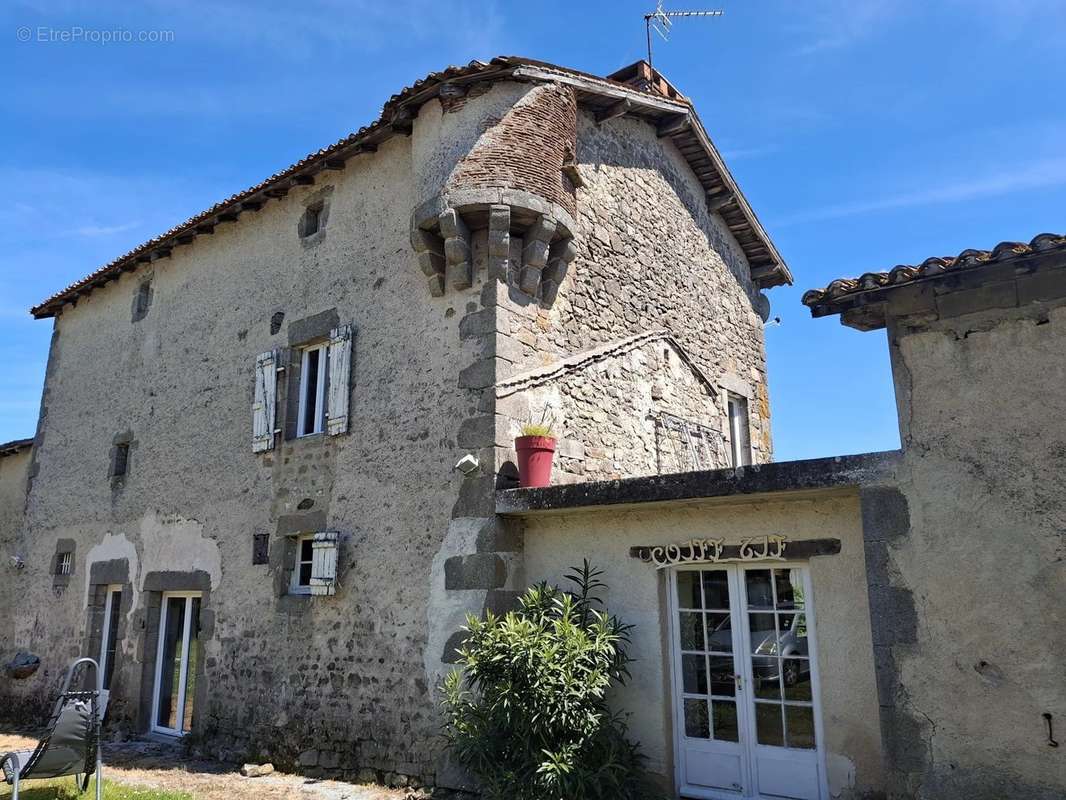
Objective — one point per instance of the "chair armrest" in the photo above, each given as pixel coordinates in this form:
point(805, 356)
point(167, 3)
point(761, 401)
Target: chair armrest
point(14, 759)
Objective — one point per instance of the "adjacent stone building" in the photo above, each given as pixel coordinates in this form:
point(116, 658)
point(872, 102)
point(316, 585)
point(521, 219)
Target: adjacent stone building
point(242, 495)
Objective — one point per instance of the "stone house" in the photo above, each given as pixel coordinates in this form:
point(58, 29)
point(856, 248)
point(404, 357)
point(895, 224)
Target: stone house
point(242, 492)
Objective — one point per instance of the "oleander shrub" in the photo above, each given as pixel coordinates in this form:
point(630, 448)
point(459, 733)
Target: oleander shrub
point(527, 714)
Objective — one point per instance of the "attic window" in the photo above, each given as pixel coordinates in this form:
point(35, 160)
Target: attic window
point(120, 458)
point(313, 220)
point(142, 300)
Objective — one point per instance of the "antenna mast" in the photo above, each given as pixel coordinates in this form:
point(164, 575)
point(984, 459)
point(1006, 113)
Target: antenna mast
point(659, 20)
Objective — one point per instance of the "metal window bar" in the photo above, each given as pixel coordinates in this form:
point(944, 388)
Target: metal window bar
point(700, 443)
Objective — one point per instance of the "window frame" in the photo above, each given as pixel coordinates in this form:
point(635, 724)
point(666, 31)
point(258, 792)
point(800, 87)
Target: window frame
point(295, 587)
point(110, 628)
point(320, 390)
point(740, 453)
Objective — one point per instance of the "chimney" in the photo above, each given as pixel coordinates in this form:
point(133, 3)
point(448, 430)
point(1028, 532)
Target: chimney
point(646, 78)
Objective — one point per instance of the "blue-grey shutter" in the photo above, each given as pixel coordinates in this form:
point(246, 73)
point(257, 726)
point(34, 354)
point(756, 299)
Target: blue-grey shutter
point(324, 563)
point(264, 406)
point(340, 361)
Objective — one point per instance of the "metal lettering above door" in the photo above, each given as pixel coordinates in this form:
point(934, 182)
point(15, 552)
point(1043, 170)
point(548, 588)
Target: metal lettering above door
point(755, 548)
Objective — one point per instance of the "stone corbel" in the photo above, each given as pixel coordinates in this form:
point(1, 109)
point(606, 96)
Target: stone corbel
point(535, 253)
point(499, 241)
point(459, 266)
point(429, 248)
point(442, 231)
point(560, 255)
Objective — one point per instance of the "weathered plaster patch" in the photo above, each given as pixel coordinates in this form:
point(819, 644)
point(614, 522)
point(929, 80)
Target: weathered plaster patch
point(113, 547)
point(176, 544)
point(840, 773)
point(446, 611)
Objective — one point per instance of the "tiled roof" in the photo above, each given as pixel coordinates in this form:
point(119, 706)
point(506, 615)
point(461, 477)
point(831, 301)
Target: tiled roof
point(396, 115)
point(15, 447)
point(841, 289)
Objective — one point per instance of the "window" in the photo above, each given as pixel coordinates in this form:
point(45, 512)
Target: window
point(109, 638)
point(65, 564)
point(739, 434)
point(301, 571)
point(315, 568)
point(312, 220)
point(142, 300)
point(144, 297)
point(314, 367)
point(120, 459)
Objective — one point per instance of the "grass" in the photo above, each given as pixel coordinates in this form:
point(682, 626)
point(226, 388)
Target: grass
point(63, 789)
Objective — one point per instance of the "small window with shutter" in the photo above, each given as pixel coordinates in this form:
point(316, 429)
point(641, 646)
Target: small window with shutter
point(314, 570)
point(318, 390)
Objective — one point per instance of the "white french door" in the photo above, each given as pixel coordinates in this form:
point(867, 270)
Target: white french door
point(746, 703)
point(177, 657)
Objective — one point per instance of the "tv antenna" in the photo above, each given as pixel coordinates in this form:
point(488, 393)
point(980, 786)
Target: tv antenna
point(660, 20)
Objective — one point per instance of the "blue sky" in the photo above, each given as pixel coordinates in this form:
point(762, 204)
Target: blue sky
point(864, 133)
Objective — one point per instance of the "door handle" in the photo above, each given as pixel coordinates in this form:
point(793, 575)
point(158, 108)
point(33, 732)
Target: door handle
point(739, 681)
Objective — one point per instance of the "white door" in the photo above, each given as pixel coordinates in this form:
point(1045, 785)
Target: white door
point(746, 685)
point(177, 657)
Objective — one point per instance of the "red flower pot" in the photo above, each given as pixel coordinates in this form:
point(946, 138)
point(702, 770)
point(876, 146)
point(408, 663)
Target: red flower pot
point(534, 460)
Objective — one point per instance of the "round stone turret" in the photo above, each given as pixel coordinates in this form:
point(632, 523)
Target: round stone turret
point(516, 183)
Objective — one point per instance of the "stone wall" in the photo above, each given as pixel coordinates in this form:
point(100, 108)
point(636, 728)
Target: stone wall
point(634, 407)
point(334, 685)
point(967, 579)
point(14, 472)
point(649, 256)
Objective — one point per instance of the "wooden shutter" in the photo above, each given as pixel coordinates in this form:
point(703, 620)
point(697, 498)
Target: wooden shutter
point(324, 563)
point(340, 360)
point(264, 407)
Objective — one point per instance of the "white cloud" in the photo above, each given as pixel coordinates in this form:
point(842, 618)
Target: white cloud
point(744, 153)
point(832, 24)
point(93, 231)
point(1038, 174)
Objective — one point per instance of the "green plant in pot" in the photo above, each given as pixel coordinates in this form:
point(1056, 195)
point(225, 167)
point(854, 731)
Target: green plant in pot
point(528, 714)
point(535, 449)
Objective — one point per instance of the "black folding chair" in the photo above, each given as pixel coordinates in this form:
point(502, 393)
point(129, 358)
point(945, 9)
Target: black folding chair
point(71, 745)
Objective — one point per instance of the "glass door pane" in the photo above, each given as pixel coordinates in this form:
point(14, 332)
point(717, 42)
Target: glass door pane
point(110, 644)
point(194, 650)
point(179, 654)
point(780, 658)
point(169, 689)
point(708, 673)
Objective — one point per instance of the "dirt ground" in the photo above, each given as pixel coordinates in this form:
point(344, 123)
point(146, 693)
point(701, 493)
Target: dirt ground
point(162, 766)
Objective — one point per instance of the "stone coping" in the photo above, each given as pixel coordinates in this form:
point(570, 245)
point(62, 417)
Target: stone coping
point(786, 476)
